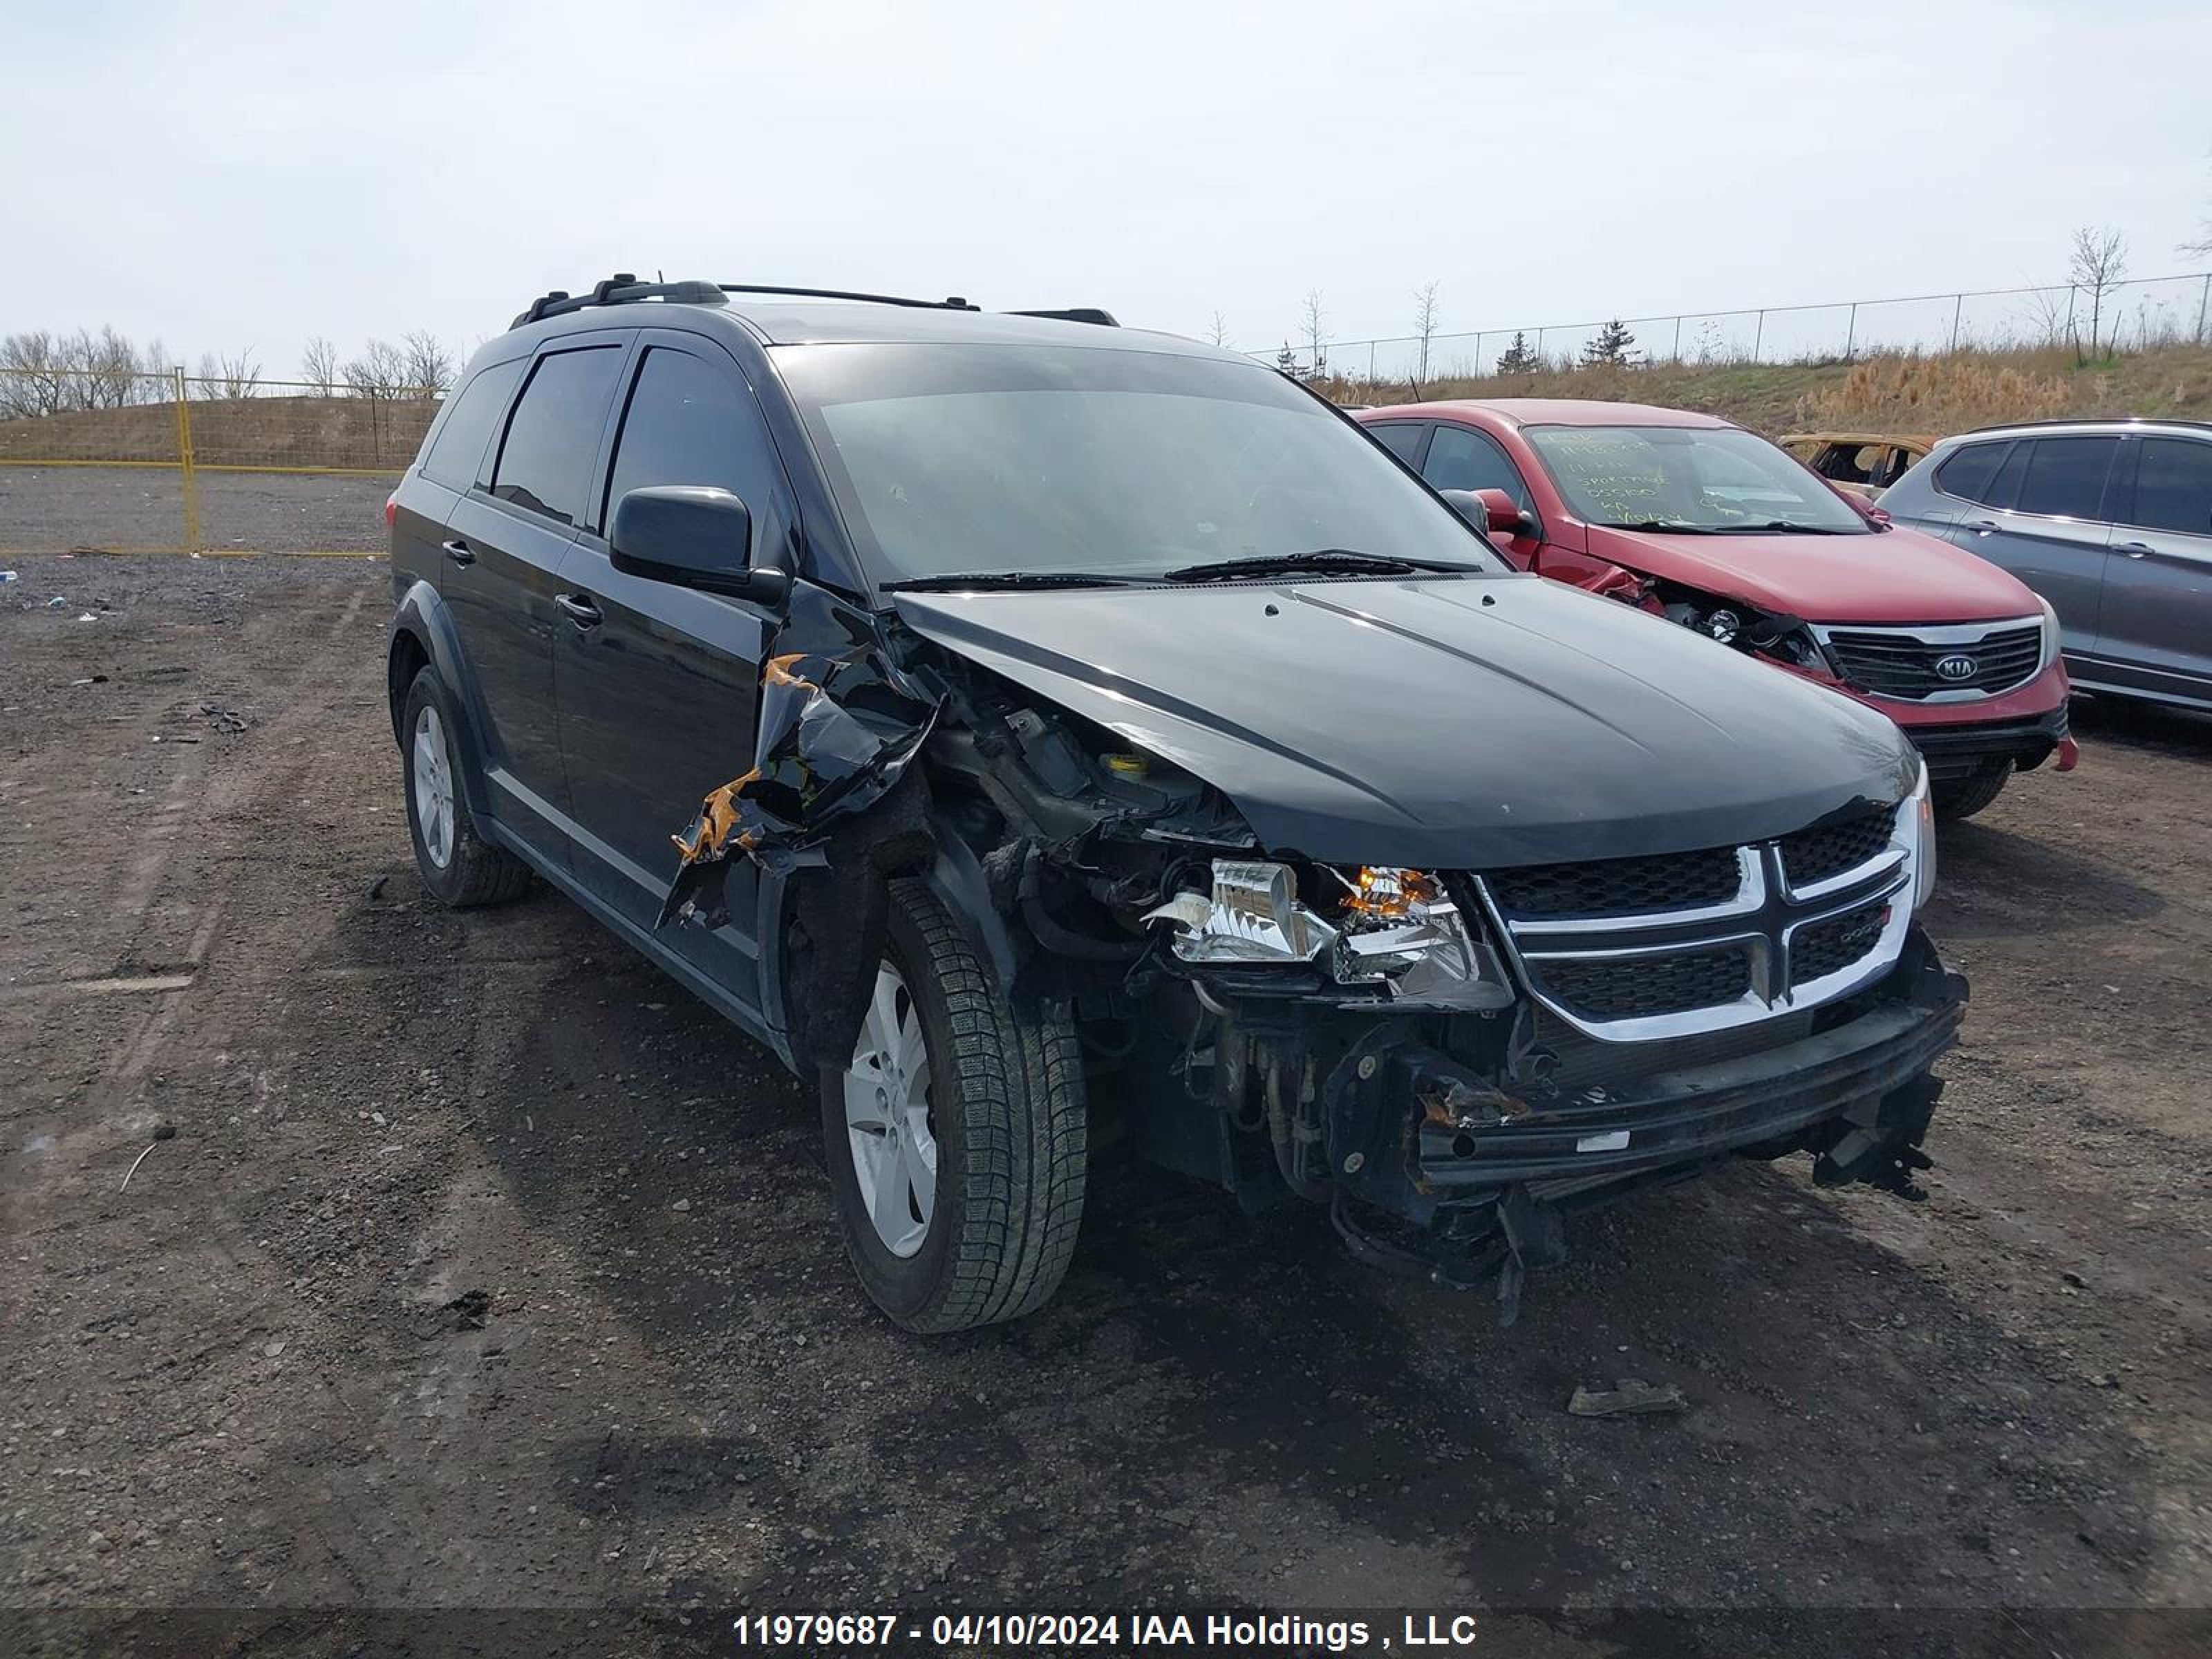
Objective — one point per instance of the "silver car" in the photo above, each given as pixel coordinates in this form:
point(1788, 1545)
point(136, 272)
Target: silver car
point(2110, 520)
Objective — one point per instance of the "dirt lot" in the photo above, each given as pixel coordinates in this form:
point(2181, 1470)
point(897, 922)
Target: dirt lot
point(483, 1268)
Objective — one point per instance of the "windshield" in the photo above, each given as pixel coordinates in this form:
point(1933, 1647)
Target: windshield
point(1062, 461)
point(1714, 480)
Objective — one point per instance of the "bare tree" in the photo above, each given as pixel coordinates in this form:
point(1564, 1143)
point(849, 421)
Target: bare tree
point(1316, 339)
point(380, 371)
point(429, 365)
point(107, 368)
point(232, 375)
point(319, 366)
point(1424, 325)
point(30, 378)
point(2098, 265)
point(1221, 333)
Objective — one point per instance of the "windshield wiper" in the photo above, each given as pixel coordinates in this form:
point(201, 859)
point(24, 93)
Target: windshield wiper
point(1785, 526)
point(1669, 526)
point(989, 579)
point(1325, 560)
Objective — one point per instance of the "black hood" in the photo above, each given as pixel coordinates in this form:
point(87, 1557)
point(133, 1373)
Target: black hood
point(1459, 723)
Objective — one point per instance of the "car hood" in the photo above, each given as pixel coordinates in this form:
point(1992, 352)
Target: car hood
point(1462, 723)
point(1897, 576)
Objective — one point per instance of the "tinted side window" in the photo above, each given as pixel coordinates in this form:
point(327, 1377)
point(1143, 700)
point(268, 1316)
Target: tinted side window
point(546, 462)
point(1971, 471)
point(2173, 486)
point(2065, 476)
point(1401, 438)
point(687, 424)
point(458, 452)
point(1460, 459)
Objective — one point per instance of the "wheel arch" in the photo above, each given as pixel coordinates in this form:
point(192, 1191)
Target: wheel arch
point(423, 635)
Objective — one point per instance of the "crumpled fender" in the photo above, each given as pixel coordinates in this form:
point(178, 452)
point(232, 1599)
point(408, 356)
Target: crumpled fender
point(839, 723)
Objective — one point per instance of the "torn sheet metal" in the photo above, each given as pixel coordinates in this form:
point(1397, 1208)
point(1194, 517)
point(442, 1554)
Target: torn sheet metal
point(839, 721)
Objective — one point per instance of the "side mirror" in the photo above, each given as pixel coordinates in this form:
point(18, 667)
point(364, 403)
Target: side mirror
point(691, 535)
point(1491, 511)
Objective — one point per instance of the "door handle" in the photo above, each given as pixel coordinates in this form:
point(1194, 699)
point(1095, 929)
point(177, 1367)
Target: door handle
point(460, 552)
point(2135, 549)
point(578, 609)
point(1983, 527)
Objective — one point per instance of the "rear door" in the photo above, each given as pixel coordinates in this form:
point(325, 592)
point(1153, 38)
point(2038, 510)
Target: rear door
point(2157, 618)
point(659, 694)
point(507, 539)
point(2040, 514)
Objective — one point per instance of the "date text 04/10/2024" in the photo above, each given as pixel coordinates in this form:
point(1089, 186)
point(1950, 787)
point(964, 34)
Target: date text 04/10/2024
point(859, 1632)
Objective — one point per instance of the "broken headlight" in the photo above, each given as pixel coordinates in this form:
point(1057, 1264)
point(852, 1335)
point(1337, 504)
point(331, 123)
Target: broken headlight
point(1395, 930)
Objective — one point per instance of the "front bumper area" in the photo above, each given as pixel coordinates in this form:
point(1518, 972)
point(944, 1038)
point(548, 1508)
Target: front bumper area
point(1439, 1168)
point(1959, 751)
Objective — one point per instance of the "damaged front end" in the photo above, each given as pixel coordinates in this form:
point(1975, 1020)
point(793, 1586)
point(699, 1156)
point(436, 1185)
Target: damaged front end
point(1450, 1061)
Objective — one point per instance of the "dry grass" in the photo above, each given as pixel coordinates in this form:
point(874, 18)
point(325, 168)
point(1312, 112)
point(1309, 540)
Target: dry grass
point(1939, 395)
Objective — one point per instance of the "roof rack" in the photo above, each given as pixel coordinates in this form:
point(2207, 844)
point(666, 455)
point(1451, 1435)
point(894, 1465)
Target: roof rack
point(619, 289)
point(2097, 419)
point(954, 303)
point(623, 289)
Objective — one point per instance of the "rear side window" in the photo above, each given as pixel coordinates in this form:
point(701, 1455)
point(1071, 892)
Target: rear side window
point(2173, 486)
point(1970, 471)
point(2065, 476)
point(1401, 438)
point(1460, 459)
point(689, 423)
point(458, 452)
point(545, 464)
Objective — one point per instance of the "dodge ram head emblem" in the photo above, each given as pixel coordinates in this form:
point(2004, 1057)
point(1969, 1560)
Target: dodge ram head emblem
point(1959, 666)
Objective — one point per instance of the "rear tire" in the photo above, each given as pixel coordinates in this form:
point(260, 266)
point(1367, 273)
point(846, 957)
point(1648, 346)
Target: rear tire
point(949, 1089)
point(1961, 797)
point(460, 867)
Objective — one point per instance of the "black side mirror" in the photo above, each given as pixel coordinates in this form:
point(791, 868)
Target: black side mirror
point(692, 535)
point(1491, 511)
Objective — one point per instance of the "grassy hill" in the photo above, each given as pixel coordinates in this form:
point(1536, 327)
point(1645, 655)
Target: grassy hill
point(1894, 394)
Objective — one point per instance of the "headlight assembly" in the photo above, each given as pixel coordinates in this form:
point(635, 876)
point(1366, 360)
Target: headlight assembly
point(1396, 931)
point(1922, 810)
point(2049, 634)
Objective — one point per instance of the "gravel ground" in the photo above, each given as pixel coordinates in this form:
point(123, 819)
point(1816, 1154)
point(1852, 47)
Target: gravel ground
point(485, 1268)
point(58, 508)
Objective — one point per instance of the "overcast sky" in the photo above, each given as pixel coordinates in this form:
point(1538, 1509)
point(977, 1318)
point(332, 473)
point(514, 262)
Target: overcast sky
point(247, 174)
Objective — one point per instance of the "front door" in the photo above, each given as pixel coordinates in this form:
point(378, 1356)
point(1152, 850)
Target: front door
point(507, 543)
point(659, 687)
point(2042, 518)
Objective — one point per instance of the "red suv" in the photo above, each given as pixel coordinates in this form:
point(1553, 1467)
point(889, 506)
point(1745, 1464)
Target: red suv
point(1695, 519)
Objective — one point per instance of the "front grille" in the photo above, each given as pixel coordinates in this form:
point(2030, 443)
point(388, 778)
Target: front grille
point(1895, 662)
point(1627, 987)
point(1829, 946)
point(1618, 887)
point(1814, 855)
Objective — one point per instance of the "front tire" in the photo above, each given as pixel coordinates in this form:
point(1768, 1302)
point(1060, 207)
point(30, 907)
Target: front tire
point(955, 1134)
point(458, 867)
point(1961, 797)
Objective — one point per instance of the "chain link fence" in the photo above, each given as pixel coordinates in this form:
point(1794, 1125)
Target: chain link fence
point(115, 461)
point(2129, 316)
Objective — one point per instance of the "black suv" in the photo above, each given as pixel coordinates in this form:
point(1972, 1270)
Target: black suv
point(1052, 735)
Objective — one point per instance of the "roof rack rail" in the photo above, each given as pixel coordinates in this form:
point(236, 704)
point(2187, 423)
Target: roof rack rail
point(621, 288)
point(2098, 420)
point(1075, 314)
point(954, 303)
